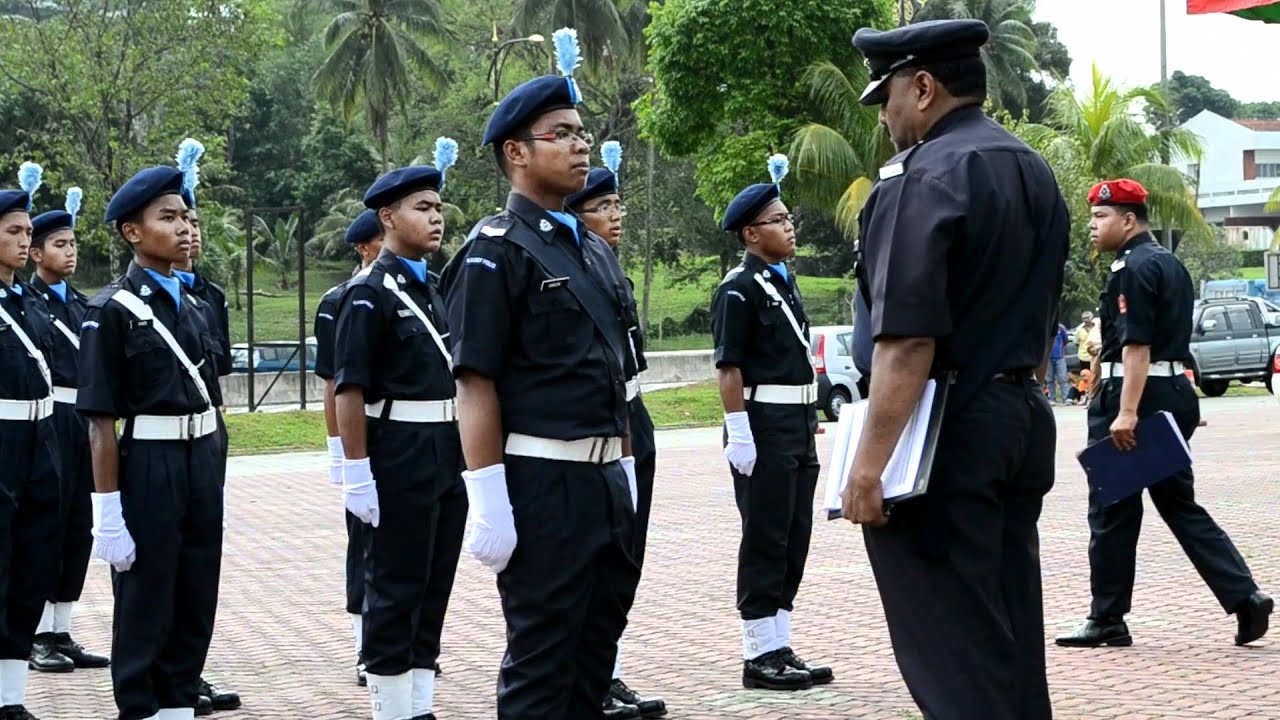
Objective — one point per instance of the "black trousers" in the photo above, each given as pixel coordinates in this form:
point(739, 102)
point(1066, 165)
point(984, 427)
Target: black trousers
point(171, 495)
point(29, 530)
point(357, 546)
point(76, 520)
point(644, 449)
point(958, 569)
point(776, 506)
point(1113, 529)
point(412, 555)
point(568, 588)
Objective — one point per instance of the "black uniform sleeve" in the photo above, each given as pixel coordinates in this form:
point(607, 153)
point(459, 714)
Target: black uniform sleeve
point(325, 331)
point(909, 236)
point(731, 312)
point(101, 361)
point(479, 302)
point(224, 332)
point(358, 336)
point(1138, 297)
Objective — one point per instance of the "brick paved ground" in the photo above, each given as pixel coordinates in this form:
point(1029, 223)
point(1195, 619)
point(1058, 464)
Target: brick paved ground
point(283, 641)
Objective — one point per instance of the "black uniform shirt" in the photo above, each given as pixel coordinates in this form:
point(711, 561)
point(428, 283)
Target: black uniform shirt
point(216, 314)
point(326, 329)
point(380, 344)
point(546, 319)
point(1148, 301)
point(20, 377)
point(964, 238)
point(635, 362)
point(751, 331)
point(71, 314)
point(126, 367)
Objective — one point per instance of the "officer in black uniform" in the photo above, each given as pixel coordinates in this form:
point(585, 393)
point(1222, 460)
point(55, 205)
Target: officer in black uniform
point(397, 418)
point(538, 308)
point(599, 205)
point(29, 485)
point(53, 252)
point(157, 513)
point(365, 235)
point(761, 336)
point(1146, 334)
point(963, 245)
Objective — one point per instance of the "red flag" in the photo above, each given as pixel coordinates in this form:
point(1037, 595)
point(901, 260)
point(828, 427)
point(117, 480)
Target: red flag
point(1264, 10)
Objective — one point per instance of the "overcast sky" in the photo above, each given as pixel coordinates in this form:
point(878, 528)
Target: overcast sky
point(1123, 38)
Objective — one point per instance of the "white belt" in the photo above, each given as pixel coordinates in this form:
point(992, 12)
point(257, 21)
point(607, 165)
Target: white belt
point(175, 427)
point(26, 410)
point(782, 394)
point(1164, 368)
point(415, 411)
point(64, 395)
point(597, 450)
point(633, 388)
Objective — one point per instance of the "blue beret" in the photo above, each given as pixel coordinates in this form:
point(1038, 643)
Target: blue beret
point(365, 228)
point(748, 204)
point(141, 189)
point(528, 102)
point(399, 183)
point(11, 200)
point(45, 223)
point(600, 181)
point(915, 45)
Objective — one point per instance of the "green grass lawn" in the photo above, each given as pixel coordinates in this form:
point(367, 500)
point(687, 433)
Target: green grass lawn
point(1253, 273)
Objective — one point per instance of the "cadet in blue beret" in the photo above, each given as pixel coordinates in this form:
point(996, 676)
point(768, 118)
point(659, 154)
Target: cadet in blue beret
point(962, 245)
point(599, 204)
point(365, 236)
point(30, 522)
point(147, 359)
point(397, 419)
point(540, 316)
point(53, 252)
point(767, 386)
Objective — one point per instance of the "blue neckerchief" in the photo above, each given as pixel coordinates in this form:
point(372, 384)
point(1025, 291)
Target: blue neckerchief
point(187, 278)
point(171, 285)
point(17, 288)
point(781, 269)
point(568, 221)
point(60, 289)
point(417, 267)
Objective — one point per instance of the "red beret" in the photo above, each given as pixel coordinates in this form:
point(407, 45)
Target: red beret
point(1118, 192)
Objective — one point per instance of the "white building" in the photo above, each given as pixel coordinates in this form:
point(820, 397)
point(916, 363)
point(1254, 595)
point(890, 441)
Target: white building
point(1239, 170)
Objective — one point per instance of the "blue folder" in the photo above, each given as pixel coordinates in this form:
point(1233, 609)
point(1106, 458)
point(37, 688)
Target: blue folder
point(1116, 474)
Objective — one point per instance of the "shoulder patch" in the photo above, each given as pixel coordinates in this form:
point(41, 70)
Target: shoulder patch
point(732, 274)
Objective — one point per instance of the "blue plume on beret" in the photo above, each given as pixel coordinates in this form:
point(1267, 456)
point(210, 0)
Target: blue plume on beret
point(445, 157)
point(611, 152)
point(778, 166)
point(189, 154)
point(74, 197)
point(568, 58)
point(30, 175)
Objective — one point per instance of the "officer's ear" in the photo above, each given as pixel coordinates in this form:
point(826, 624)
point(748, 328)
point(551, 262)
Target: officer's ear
point(385, 214)
point(926, 88)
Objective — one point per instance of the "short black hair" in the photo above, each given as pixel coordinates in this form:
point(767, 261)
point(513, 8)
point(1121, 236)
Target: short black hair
point(1139, 211)
point(521, 132)
point(963, 78)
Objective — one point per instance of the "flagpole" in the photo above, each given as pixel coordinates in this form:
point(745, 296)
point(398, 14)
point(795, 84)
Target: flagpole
point(1166, 236)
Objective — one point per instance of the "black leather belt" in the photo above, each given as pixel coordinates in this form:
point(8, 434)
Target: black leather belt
point(1015, 377)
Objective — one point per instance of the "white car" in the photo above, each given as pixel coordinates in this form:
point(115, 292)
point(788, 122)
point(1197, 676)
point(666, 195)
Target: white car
point(832, 350)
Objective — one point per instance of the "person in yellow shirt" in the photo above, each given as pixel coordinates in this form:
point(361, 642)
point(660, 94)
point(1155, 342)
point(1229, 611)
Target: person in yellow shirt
point(1087, 325)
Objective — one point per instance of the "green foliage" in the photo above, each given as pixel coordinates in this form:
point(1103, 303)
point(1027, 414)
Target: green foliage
point(1259, 111)
point(1209, 256)
point(1192, 94)
point(1009, 54)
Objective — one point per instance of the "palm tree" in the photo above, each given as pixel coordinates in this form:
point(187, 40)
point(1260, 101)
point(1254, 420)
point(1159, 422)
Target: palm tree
point(834, 163)
point(600, 25)
point(331, 231)
point(372, 46)
point(279, 246)
point(1010, 52)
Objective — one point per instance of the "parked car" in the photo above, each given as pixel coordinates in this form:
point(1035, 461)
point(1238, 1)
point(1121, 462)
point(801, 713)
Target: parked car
point(832, 350)
point(1275, 374)
point(1232, 339)
point(271, 356)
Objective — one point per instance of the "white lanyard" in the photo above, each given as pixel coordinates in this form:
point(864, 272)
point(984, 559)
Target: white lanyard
point(32, 350)
point(143, 312)
point(390, 283)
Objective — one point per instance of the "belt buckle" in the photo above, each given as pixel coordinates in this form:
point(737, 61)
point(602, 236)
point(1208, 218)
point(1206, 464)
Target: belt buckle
point(33, 411)
point(191, 427)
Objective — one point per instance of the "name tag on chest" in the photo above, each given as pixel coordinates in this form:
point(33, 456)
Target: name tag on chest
point(139, 324)
point(404, 312)
point(554, 284)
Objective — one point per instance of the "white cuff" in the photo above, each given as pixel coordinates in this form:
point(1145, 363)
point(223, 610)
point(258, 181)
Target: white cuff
point(356, 473)
point(108, 517)
point(335, 449)
point(739, 427)
point(487, 489)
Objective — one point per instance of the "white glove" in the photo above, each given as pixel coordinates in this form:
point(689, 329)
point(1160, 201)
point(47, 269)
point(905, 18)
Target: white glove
point(492, 539)
point(629, 467)
point(111, 539)
point(359, 491)
point(336, 458)
point(741, 450)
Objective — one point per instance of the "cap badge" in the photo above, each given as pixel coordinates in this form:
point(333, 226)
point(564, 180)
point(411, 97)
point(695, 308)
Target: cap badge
point(145, 291)
point(400, 279)
point(544, 225)
point(1105, 192)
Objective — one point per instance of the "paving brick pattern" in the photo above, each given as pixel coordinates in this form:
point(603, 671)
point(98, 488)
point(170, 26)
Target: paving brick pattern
point(283, 639)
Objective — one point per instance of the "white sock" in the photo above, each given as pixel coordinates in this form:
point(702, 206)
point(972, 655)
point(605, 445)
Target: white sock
point(176, 714)
point(617, 662)
point(391, 696)
point(62, 617)
point(13, 682)
point(758, 637)
point(357, 632)
point(782, 624)
point(46, 620)
point(424, 690)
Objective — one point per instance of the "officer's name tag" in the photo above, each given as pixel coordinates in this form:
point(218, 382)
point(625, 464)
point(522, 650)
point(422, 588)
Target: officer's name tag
point(554, 283)
point(890, 171)
point(1117, 265)
point(404, 312)
point(139, 323)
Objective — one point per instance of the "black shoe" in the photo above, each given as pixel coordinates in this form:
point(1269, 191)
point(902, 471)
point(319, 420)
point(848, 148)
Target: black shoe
point(648, 707)
point(771, 672)
point(614, 710)
point(77, 654)
point(46, 658)
point(221, 699)
point(16, 712)
point(1096, 633)
point(1253, 617)
point(204, 706)
point(820, 674)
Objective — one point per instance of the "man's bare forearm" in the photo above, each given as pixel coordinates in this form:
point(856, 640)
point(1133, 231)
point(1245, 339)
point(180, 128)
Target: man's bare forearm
point(104, 450)
point(1137, 364)
point(349, 408)
point(899, 370)
point(330, 409)
point(731, 389)
point(479, 421)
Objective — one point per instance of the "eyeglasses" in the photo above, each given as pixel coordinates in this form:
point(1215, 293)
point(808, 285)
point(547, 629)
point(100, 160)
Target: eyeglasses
point(607, 208)
point(564, 137)
point(787, 219)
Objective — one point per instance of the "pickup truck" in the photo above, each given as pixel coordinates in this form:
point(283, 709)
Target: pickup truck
point(1232, 339)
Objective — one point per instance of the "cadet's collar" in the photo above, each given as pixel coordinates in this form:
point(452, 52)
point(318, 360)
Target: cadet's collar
point(1132, 243)
point(962, 114)
point(146, 286)
point(395, 266)
point(187, 278)
point(535, 216)
point(43, 288)
point(756, 264)
point(11, 291)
